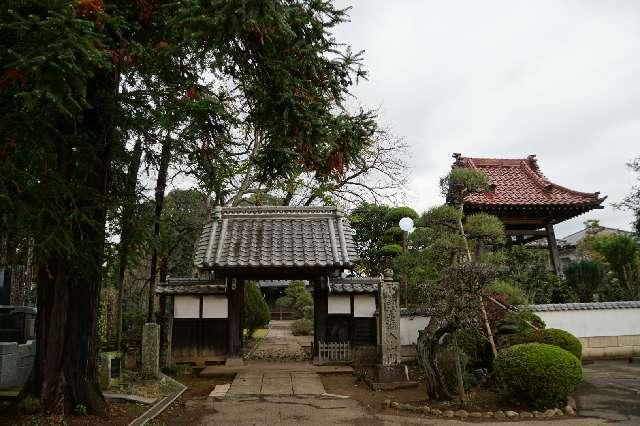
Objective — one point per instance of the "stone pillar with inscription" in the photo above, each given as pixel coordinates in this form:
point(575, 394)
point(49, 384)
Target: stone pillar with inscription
point(389, 320)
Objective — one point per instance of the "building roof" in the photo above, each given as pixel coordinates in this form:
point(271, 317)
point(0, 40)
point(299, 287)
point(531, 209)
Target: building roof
point(266, 237)
point(573, 239)
point(583, 306)
point(192, 286)
point(518, 184)
point(353, 285)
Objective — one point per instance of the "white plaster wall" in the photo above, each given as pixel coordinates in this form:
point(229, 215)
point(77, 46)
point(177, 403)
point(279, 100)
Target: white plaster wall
point(339, 304)
point(596, 322)
point(364, 305)
point(215, 306)
point(409, 327)
point(187, 306)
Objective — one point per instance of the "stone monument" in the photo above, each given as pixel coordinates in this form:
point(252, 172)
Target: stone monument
point(151, 350)
point(389, 321)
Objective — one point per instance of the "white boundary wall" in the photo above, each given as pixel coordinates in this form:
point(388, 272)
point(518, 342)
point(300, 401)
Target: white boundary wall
point(409, 328)
point(606, 330)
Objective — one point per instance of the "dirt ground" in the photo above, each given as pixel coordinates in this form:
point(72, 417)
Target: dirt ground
point(121, 413)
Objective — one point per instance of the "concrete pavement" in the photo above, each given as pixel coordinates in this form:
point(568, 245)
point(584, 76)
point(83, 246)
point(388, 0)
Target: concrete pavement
point(610, 391)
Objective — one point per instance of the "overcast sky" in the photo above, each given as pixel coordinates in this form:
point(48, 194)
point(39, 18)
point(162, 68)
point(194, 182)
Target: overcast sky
point(559, 79)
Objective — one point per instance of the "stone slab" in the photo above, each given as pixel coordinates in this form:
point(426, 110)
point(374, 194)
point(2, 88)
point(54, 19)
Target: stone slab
point(307, 384)
point(220, 391)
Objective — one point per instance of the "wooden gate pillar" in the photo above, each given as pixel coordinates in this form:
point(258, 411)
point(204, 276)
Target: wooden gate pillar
point(320, 311)
point(235, 296)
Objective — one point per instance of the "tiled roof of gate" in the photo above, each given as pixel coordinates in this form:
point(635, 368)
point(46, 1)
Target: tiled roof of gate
point(582, 306)
point(519, 182)
point(191, 286)
point(353, 285)
point(268, 237)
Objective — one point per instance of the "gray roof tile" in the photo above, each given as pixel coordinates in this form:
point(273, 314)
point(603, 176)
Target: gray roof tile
point(582, 306)
point(265, 236)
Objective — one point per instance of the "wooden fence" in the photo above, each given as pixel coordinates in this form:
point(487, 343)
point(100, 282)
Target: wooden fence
point(334, 352)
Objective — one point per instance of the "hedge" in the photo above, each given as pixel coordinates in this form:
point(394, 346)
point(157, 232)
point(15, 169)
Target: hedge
point(550, 336)
point(302, 327)
point(537, 374)
point(256, 310)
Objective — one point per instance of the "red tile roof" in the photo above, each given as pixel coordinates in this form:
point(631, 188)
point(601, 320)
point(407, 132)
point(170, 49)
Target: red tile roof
point(519, 182)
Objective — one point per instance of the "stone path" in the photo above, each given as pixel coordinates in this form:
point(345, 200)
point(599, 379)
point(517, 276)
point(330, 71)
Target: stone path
point(610, 391)
point(280, 344)
point(276, 383)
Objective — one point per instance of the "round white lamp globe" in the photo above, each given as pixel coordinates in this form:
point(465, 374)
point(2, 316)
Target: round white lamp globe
point(406, 224)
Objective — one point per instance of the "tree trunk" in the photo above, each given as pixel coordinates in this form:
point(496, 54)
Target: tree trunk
point(161, 185)
point(68, 289)
point(126, 228)
point(459, 375)
point(427, 351)
point(485, 318)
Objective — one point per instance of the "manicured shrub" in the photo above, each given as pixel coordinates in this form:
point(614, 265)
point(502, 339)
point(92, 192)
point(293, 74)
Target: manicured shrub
point(307, 312)
point(550, 336)
point(302, 327)
point(513, 295)
point(537, 374)
point(256, 310)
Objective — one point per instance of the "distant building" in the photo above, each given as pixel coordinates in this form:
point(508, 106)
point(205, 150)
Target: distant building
point(568, 246)
point(526, 202)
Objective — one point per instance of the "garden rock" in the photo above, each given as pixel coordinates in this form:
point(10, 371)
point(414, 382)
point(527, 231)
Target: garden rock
point(571, 402)
point(525, 415)
point(499, 414)
point(569, 411)
point(475, 414)
point(550, 412)
point(558, 412)
point(448, 413)
point(511, 414)
point(436, 412)
point(488, 415)
point(461, 413)
point(426, 410)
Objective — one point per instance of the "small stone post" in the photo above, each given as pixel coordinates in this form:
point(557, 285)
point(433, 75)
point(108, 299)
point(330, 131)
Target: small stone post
point(151, 350)
point(389, 320)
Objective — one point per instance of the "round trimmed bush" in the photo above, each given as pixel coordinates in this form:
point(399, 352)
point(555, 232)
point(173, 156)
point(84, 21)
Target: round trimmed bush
point(302, 327)
point(551, 336)
point(537, 374)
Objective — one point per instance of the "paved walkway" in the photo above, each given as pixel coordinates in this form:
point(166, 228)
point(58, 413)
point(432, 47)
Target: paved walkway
point(276, 383)
point(280, 344)
point(611, 391)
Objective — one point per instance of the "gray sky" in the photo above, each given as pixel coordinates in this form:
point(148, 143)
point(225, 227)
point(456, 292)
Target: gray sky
point(559, 79)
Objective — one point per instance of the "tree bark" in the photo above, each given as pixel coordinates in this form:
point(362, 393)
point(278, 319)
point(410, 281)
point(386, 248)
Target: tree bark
point(427, 352)
point(126, 228)
point(68, 289)
point(161, 185)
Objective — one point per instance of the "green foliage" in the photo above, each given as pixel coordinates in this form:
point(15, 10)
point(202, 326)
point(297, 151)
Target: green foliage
point(622, 255)
point(585, 277)
point(551, 336)
point(256, 310)
point(296, 297)
point(302, 327)
point(485, 228)
point(527, 268)
point(513, 294)
point(462, 181)
point(307, 312)
point(632, 200)
point(378, 237)
point(537, 374)
point(520, 321)
point(80, 410)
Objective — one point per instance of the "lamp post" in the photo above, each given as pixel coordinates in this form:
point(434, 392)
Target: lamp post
point(406, 224)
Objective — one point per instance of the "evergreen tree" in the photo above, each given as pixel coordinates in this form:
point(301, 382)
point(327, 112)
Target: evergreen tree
point(78, 79)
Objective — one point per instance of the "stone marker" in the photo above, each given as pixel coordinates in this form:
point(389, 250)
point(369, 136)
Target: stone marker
point(8, 365)
point(151, 350)
point(389, 321)
point(110, 368)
